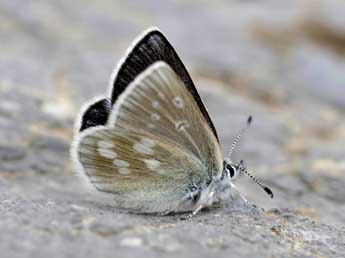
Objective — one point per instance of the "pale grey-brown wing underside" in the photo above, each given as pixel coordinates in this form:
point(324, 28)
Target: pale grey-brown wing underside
point(156, 144)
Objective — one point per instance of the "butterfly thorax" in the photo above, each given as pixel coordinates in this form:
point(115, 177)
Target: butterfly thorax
point(218, 188)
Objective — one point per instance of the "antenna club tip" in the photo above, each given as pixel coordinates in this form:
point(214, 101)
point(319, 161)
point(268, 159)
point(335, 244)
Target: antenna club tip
point(250, 119)
point(268, 191)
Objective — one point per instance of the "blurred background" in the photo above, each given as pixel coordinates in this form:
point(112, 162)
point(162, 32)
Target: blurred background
point(281, 61)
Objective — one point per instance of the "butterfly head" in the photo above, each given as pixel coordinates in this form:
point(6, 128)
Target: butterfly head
point(232, 170)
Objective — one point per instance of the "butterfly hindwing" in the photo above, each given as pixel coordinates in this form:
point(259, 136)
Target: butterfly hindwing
point(155, 146)
point(145, 173)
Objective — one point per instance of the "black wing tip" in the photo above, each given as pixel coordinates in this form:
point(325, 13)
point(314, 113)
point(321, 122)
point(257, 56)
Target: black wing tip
point(150, 31)
point(268, 191)
point(95, 114)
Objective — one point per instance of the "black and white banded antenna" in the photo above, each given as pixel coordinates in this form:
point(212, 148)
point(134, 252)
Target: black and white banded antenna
point(264, 187)
point(242, 168)
point(238, 137)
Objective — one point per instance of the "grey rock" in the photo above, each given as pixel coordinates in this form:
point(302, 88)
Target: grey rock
point(10, 153)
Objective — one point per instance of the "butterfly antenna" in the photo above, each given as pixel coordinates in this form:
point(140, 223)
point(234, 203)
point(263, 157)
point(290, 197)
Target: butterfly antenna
point(249, 120)
point(266, 189)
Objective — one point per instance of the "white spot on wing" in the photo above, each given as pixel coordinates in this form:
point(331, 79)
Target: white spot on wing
point(107, 153)
point(181, 125)
point(144, 146)
point(155, 104)
point(155, 117)
point(121, 163)
point(152, 164)
point(148, 142)
point(124, 171)
point(178, 102)
point(105, 144)
point(141, 148)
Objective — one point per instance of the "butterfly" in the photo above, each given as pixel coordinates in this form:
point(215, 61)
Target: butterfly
point(150, 142)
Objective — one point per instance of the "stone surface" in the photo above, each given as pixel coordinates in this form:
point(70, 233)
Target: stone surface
point(281, 61)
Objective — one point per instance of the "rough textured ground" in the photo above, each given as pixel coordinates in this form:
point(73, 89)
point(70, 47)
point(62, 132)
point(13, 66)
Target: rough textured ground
point(281, 61)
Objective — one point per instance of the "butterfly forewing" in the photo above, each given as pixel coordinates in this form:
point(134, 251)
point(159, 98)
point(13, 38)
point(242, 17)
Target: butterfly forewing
point(151, 47)
point(156, 145)
point(159, 103)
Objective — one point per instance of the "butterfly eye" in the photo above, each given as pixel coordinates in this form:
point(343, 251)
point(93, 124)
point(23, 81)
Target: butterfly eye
point(231, 170)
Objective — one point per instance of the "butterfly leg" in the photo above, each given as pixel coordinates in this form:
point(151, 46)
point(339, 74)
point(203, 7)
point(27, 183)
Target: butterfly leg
point(248, 202)
point(190, 215)
point(163, 213)
point(242, 197)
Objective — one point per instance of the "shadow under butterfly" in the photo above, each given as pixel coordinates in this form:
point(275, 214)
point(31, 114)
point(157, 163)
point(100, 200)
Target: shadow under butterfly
point(151, 142)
